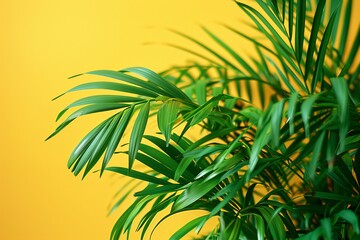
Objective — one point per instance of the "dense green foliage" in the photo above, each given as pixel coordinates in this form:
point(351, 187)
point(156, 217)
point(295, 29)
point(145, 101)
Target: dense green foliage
point(279, 154)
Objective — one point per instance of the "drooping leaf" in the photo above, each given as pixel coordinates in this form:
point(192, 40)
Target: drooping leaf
point(351, 218)
point(291, 110)
point(138, 175)
point(114, 141)
point(345, 28)
point(186, 228)
point(103, 144)
point(314, 36)
point(195, 191)
point(306, 110)
point(276, 119)
point(262, 138)
point(166, 117)
point(160, 156)
point(291, 18)
point(120, 75)
point(138, 132)
point(341, 92)
point(85, 142)
point(112, 86)
point(163, 189)
point(159, 81)
point(312, 165)
point(211, 51)
point(326, 228)
point(96, 108)
point(318, 72)
point(233, 53)
point(273, 221)
point(90, 150)
point(100, 99)
point(356, 165)
point(300, 28)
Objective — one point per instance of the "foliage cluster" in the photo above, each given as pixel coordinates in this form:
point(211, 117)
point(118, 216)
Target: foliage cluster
point(279, 154)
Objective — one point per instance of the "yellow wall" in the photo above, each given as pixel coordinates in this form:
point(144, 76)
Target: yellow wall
point(42, 42)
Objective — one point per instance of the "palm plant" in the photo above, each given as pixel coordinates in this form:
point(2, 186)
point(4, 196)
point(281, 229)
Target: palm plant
point(278, 156)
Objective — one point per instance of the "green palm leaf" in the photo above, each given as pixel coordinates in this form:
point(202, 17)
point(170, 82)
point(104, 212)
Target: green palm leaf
point(281, 164)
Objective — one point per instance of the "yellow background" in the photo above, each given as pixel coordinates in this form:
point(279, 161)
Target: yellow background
point(42, 42)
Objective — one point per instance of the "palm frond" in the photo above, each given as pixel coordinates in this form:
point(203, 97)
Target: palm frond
point(278, 156)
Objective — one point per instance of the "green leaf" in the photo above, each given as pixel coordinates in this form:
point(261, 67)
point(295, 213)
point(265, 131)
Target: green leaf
point(300, 28)
point(233, 53)
point(331, 196)
point(335, 8)
point(314, 36)
point(356, 165)
point(200, 113)
point(284, 78)
point(136, 211)
point(119, 225)
point(123, 196)
point(351, 57)
point(276, 39)
point(326, 228)
point(340, 88)
point(200, 90)
point(154, 164)
point(153, 190)
point(233, 230)
point(159, 205)
point(275, 18)
point(291, 18)
point(85, 142)
point(186, 228)
point(103, 144)
point(277, 117)
point(345, 28)
point(351, 218)
point(251, 113)
point(260, 227)
point(129, 79)
point(100, 99)
point(318, 72)
point(114, 141)
point(171, 150)
point(185, 162)
point(314, 234)
point(189, 155)
point(215, 210)
point(89, 152)
point(195, 191)
point(249, 195)
point(138, 132)
point(113, 86)
point(138, 175)
point(274, 222)
point(166, 117)
point(216, 54)
point(160, 156)
point(263, 136)
point(306, 108)
point(293, 100)
point(169, 88)
point(85, 111)
point(312, 165)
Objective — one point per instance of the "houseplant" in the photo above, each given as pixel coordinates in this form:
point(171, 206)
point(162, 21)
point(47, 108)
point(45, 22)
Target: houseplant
point(278, 156)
